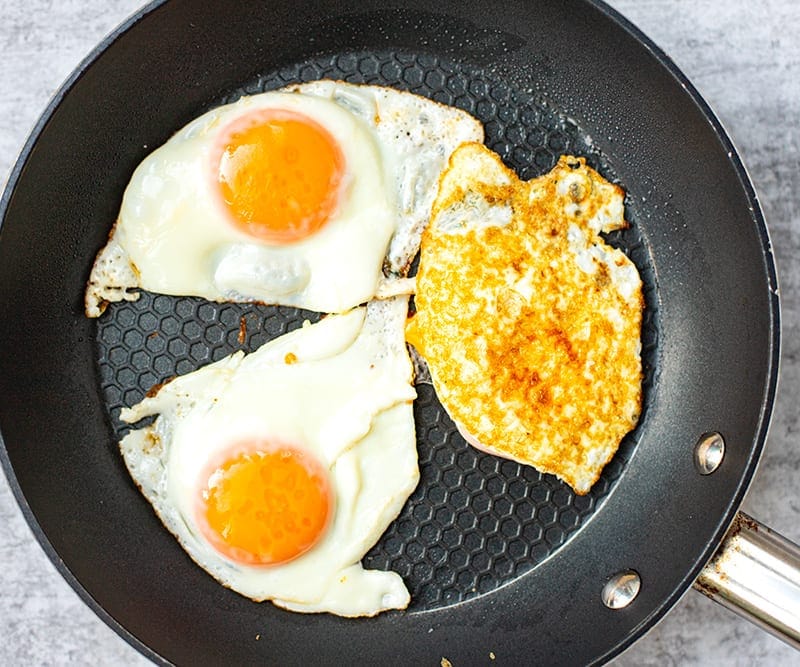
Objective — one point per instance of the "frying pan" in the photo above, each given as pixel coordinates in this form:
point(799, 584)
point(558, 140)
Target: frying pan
point(697, 236)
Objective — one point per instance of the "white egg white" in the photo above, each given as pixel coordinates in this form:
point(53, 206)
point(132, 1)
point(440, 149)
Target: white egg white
point(172, 238)
point(340, 389)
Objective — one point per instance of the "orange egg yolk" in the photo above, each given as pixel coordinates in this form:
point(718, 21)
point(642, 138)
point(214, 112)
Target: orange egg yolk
point(266, 507)
point(279, 175)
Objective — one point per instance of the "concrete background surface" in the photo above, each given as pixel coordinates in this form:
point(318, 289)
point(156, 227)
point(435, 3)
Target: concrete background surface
point(743, 56)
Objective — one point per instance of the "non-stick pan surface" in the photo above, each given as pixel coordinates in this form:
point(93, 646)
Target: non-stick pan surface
point(498, 558)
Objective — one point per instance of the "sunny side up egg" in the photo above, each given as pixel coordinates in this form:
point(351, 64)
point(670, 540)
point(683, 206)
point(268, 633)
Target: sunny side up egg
point(277, 471)
point(295, 197)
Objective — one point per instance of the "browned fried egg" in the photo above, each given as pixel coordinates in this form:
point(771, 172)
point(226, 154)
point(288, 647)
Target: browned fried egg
point(528, 320)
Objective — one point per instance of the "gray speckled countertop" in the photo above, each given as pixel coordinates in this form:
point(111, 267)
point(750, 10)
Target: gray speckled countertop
point(743, 56)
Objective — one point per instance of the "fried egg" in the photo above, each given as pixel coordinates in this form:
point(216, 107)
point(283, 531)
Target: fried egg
point(289, 197)
point(278, 470)
point(528, 320)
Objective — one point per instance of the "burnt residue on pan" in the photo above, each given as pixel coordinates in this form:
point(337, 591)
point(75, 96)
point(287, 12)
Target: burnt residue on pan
point(475, 521)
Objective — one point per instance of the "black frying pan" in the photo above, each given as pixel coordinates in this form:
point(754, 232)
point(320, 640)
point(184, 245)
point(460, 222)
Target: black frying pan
point(498, 558)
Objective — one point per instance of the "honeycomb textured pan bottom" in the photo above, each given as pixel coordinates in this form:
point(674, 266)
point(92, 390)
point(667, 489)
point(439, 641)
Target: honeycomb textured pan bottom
point(475, 521)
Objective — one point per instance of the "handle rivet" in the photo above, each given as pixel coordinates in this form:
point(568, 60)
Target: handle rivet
point(621, 589)
point(708, 453)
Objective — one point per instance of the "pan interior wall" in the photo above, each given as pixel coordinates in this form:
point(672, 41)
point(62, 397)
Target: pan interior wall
point(475, 522)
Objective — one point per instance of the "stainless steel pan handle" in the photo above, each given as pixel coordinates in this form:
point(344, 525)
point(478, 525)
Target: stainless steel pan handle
point(756, 573)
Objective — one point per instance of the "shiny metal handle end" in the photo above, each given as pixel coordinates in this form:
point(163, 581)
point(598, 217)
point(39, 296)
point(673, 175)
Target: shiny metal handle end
point(756, 573)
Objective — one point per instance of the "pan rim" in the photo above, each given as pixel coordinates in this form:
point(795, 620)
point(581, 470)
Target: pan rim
point(5, 462)
point(768, 399)
point(756, 215)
